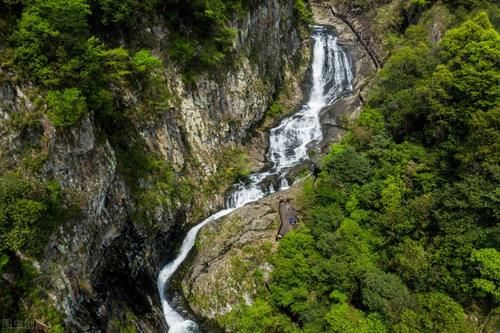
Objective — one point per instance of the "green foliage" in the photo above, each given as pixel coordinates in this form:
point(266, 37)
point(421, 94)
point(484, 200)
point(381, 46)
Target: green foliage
point(433, 312)
point(117, 62)
point(23, 298)
point(110, 12)
point(260, 317)
point(53, 47)
point(343, 318)
point(50, 37)
point(303, 12)
point(205, 39)
point(66, 107)
point(488, 262)
point(28, 213)
point(296, 257)
point(275, 109)
point(402, 223)
point(182, 50)
point(347, 166)
point(385, 293)
point(433, 103)
point(197, 55)
point(145, 62)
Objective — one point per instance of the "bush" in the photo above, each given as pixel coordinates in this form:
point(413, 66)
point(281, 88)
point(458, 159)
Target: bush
point(144, 62)
point(433, 312)
point(28, 213)
point(66, 107)
point(275, 109)
point(49, 33)
point(304, 13)
point(121, 13)
point(182, 50)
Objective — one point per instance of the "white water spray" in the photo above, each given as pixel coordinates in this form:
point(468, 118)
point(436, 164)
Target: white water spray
point(288, 145)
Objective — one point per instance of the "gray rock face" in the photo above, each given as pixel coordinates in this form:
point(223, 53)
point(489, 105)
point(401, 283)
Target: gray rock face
point(103, 266)
point(219, 110)
point(7, 99)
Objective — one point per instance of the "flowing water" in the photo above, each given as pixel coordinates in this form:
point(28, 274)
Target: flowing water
point(288, 145)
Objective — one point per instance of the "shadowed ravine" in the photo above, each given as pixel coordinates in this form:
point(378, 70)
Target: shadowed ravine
point(289, 142)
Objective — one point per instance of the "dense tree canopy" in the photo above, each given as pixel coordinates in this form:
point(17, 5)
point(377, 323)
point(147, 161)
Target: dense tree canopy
point(401, 231)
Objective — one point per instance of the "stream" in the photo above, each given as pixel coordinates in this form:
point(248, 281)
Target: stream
point(289, 143)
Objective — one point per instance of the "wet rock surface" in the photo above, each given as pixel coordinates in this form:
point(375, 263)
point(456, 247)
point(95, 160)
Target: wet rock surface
point(335, 118)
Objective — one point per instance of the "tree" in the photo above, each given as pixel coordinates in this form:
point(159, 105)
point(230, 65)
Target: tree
point(145, 62)
point(28, 210)
point(343, 318)
point(385, 293)
point(488, 263)
point(433, 313)
point(346, 166)
point(292, 278)
point(50, 34)
point(260, 317)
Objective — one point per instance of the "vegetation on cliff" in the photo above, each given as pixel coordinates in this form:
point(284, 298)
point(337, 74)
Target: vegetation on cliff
point(401, 226)
point(29, 212)
point(78, 59)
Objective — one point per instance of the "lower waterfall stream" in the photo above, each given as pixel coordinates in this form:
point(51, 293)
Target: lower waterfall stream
point(288, 145)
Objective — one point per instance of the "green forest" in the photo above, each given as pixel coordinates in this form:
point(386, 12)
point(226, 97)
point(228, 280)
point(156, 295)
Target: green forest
point(401, 229)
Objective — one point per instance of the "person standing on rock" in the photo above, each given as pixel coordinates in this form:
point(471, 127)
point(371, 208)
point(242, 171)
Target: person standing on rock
point(315, 170)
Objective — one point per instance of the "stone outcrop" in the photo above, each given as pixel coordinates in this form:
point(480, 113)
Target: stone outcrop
point(232, 257)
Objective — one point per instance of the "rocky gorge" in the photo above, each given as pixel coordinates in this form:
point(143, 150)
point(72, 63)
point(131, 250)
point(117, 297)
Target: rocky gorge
point(232, 255)
point(100, 267)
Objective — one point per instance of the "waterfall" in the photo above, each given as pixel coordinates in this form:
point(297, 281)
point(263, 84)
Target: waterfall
point(288, 144)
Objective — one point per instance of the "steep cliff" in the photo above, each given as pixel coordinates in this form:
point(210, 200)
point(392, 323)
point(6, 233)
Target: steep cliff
point(100, 267)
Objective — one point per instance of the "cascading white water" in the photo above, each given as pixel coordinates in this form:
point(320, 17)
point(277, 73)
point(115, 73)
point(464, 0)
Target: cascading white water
point(288, 145)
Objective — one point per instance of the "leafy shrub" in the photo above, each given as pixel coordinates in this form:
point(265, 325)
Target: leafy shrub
point(144, 62)
point(182, 50)
point(45, 29)
point(66, 107)
point(28, 212)
point(303, 12)
point(434, 312)
point(275, 109)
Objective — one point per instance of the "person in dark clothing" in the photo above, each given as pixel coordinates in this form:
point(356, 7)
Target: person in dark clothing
point(315, 170)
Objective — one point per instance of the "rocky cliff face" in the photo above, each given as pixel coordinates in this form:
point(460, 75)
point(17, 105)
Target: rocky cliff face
point(102, 265)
